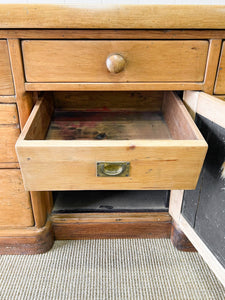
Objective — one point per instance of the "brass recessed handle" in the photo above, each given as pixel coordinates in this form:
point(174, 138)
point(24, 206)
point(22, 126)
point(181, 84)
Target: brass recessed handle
point(115, 63)
point(113, 169)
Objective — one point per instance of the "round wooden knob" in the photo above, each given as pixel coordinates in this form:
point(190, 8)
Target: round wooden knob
point(115, 63)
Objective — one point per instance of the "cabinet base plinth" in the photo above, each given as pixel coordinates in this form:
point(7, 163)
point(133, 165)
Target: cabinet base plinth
point(29, 240)
point(114, 225)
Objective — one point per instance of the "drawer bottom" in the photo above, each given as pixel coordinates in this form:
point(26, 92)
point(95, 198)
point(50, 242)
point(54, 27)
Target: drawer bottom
point(110, 201)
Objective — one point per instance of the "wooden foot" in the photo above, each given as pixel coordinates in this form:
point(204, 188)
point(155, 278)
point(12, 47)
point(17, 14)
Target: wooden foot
point(179, 239)
point(26, 241)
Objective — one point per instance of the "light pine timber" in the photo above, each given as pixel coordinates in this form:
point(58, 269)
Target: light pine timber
point(222, 97)
point(85, 61)
point(8, 114)
point(154, 164)
point(9, 132)
point(23, 99)
point(113, 101)
point(8, 99)
point(220, 80)
point(9, 135)
point(6, 82)
point(115, 86)
point(93, 34)
point(24, 102)
point(8, 165)
point(206, 105)
point(15, 207)
point(175, 204)
point(211, 67)
point(120, 16)
point(42, 205)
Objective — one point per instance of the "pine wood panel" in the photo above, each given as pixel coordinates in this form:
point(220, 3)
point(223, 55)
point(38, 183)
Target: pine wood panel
point(6, 81)
point(105, 101)
point(8, 99)
point(15, 206)
point(222, 97)
point(211, 67)
point(114, 86)
point(113, 225)
point(206, 105)
point(85, 61)
point(8, 114)
point(42, 205)
point(220, 80)
point(155, 164)
point(112, 16)
point(8, 136)
point(9, 165)
point(9, 132)
point(23, 99)
point(122, 34)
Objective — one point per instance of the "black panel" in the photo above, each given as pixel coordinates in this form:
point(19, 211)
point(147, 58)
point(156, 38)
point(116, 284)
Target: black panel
point(110, 201)
point(209, 198)
point(190, 202)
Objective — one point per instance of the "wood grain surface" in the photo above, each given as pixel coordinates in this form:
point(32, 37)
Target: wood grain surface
point(6, 81)
point(85, 61)
point(8, 114)
point(155, 164)
point(15, 206)
point(30, 240)
point(220, 80)
point(112, 16)
point(111, 225)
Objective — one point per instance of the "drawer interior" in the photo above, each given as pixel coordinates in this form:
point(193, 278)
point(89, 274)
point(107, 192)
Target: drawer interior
point(161, 117)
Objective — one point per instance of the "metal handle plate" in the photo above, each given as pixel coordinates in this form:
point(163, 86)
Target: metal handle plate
point(113, 169)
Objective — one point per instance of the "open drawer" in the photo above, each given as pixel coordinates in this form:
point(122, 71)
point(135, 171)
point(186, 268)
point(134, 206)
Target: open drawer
point(159, 148)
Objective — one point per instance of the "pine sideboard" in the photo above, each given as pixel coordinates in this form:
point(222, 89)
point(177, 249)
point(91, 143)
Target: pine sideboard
point(119, 98)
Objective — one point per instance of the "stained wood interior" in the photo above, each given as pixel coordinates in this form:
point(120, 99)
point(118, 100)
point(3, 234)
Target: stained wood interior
point(111, 116)
point(105, 101)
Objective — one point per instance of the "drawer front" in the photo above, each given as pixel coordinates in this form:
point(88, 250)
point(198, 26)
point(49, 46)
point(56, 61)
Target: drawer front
point(155, 166)
point(15, 206)
point(6, 81)
point(8, 114)
point(9, 132)
point(220, 80)
point(134, 61)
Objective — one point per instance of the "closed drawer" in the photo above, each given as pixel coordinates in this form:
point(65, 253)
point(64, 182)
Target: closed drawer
point(78, 150)
point(220, 80)
point(6, 81)
point(15, 206)
point(135, 61)
point(9, 132)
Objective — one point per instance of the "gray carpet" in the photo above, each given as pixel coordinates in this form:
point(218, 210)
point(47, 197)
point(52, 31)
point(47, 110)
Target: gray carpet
point(108, 269)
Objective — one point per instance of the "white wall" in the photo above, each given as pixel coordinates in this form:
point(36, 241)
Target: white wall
point(93, 3)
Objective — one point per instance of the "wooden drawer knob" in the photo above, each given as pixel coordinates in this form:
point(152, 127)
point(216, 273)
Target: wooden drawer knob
point(115, 63)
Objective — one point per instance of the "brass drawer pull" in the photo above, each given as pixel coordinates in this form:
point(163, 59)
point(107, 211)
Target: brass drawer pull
point(115, 63)
point(113, 169)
